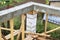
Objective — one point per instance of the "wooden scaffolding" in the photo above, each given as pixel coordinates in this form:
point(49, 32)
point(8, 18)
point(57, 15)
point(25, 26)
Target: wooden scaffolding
point(31, 7)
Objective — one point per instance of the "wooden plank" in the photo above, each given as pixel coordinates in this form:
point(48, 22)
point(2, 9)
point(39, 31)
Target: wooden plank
point(53, 30)
point(41, 34)
point(5, 28)
point(46, 22)
point(11, 27)
point(23, 26)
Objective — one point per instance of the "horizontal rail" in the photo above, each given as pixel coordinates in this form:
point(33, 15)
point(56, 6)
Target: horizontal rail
point(41, 34)
point(53, 30)
point(5, 28)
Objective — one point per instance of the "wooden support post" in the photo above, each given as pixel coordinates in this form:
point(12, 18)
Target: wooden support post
point(23, 24)
point(11, 27)
point(0, 33)
point(46, 21)
point(22, 27)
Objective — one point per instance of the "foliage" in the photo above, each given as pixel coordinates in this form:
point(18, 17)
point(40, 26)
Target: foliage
point(40, 25)
point(17, 22)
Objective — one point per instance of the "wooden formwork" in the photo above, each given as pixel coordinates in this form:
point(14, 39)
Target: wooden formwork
point(17, 32)
point(23, 10)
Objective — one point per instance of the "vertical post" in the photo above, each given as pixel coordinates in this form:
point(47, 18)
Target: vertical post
point(11, 27)
point(0, 33)
point(22, 27)
point(23, 22)
point(46, 21)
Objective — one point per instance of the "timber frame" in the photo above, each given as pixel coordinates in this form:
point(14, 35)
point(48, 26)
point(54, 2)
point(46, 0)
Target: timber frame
point(9, 14)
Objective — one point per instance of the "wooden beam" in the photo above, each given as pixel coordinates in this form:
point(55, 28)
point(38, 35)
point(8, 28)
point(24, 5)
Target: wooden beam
point(11, 27)
point(41, 34)
point(23, 26)
point(46, 22)
point(53, 30)
point(5, 28)
point(22, 19)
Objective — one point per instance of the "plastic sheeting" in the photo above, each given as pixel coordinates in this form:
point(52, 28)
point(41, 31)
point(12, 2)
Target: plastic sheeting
point(53, 19)
point(31, 23)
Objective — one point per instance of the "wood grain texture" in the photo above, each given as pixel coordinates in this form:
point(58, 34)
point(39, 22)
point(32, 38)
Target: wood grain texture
point(12, 28)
